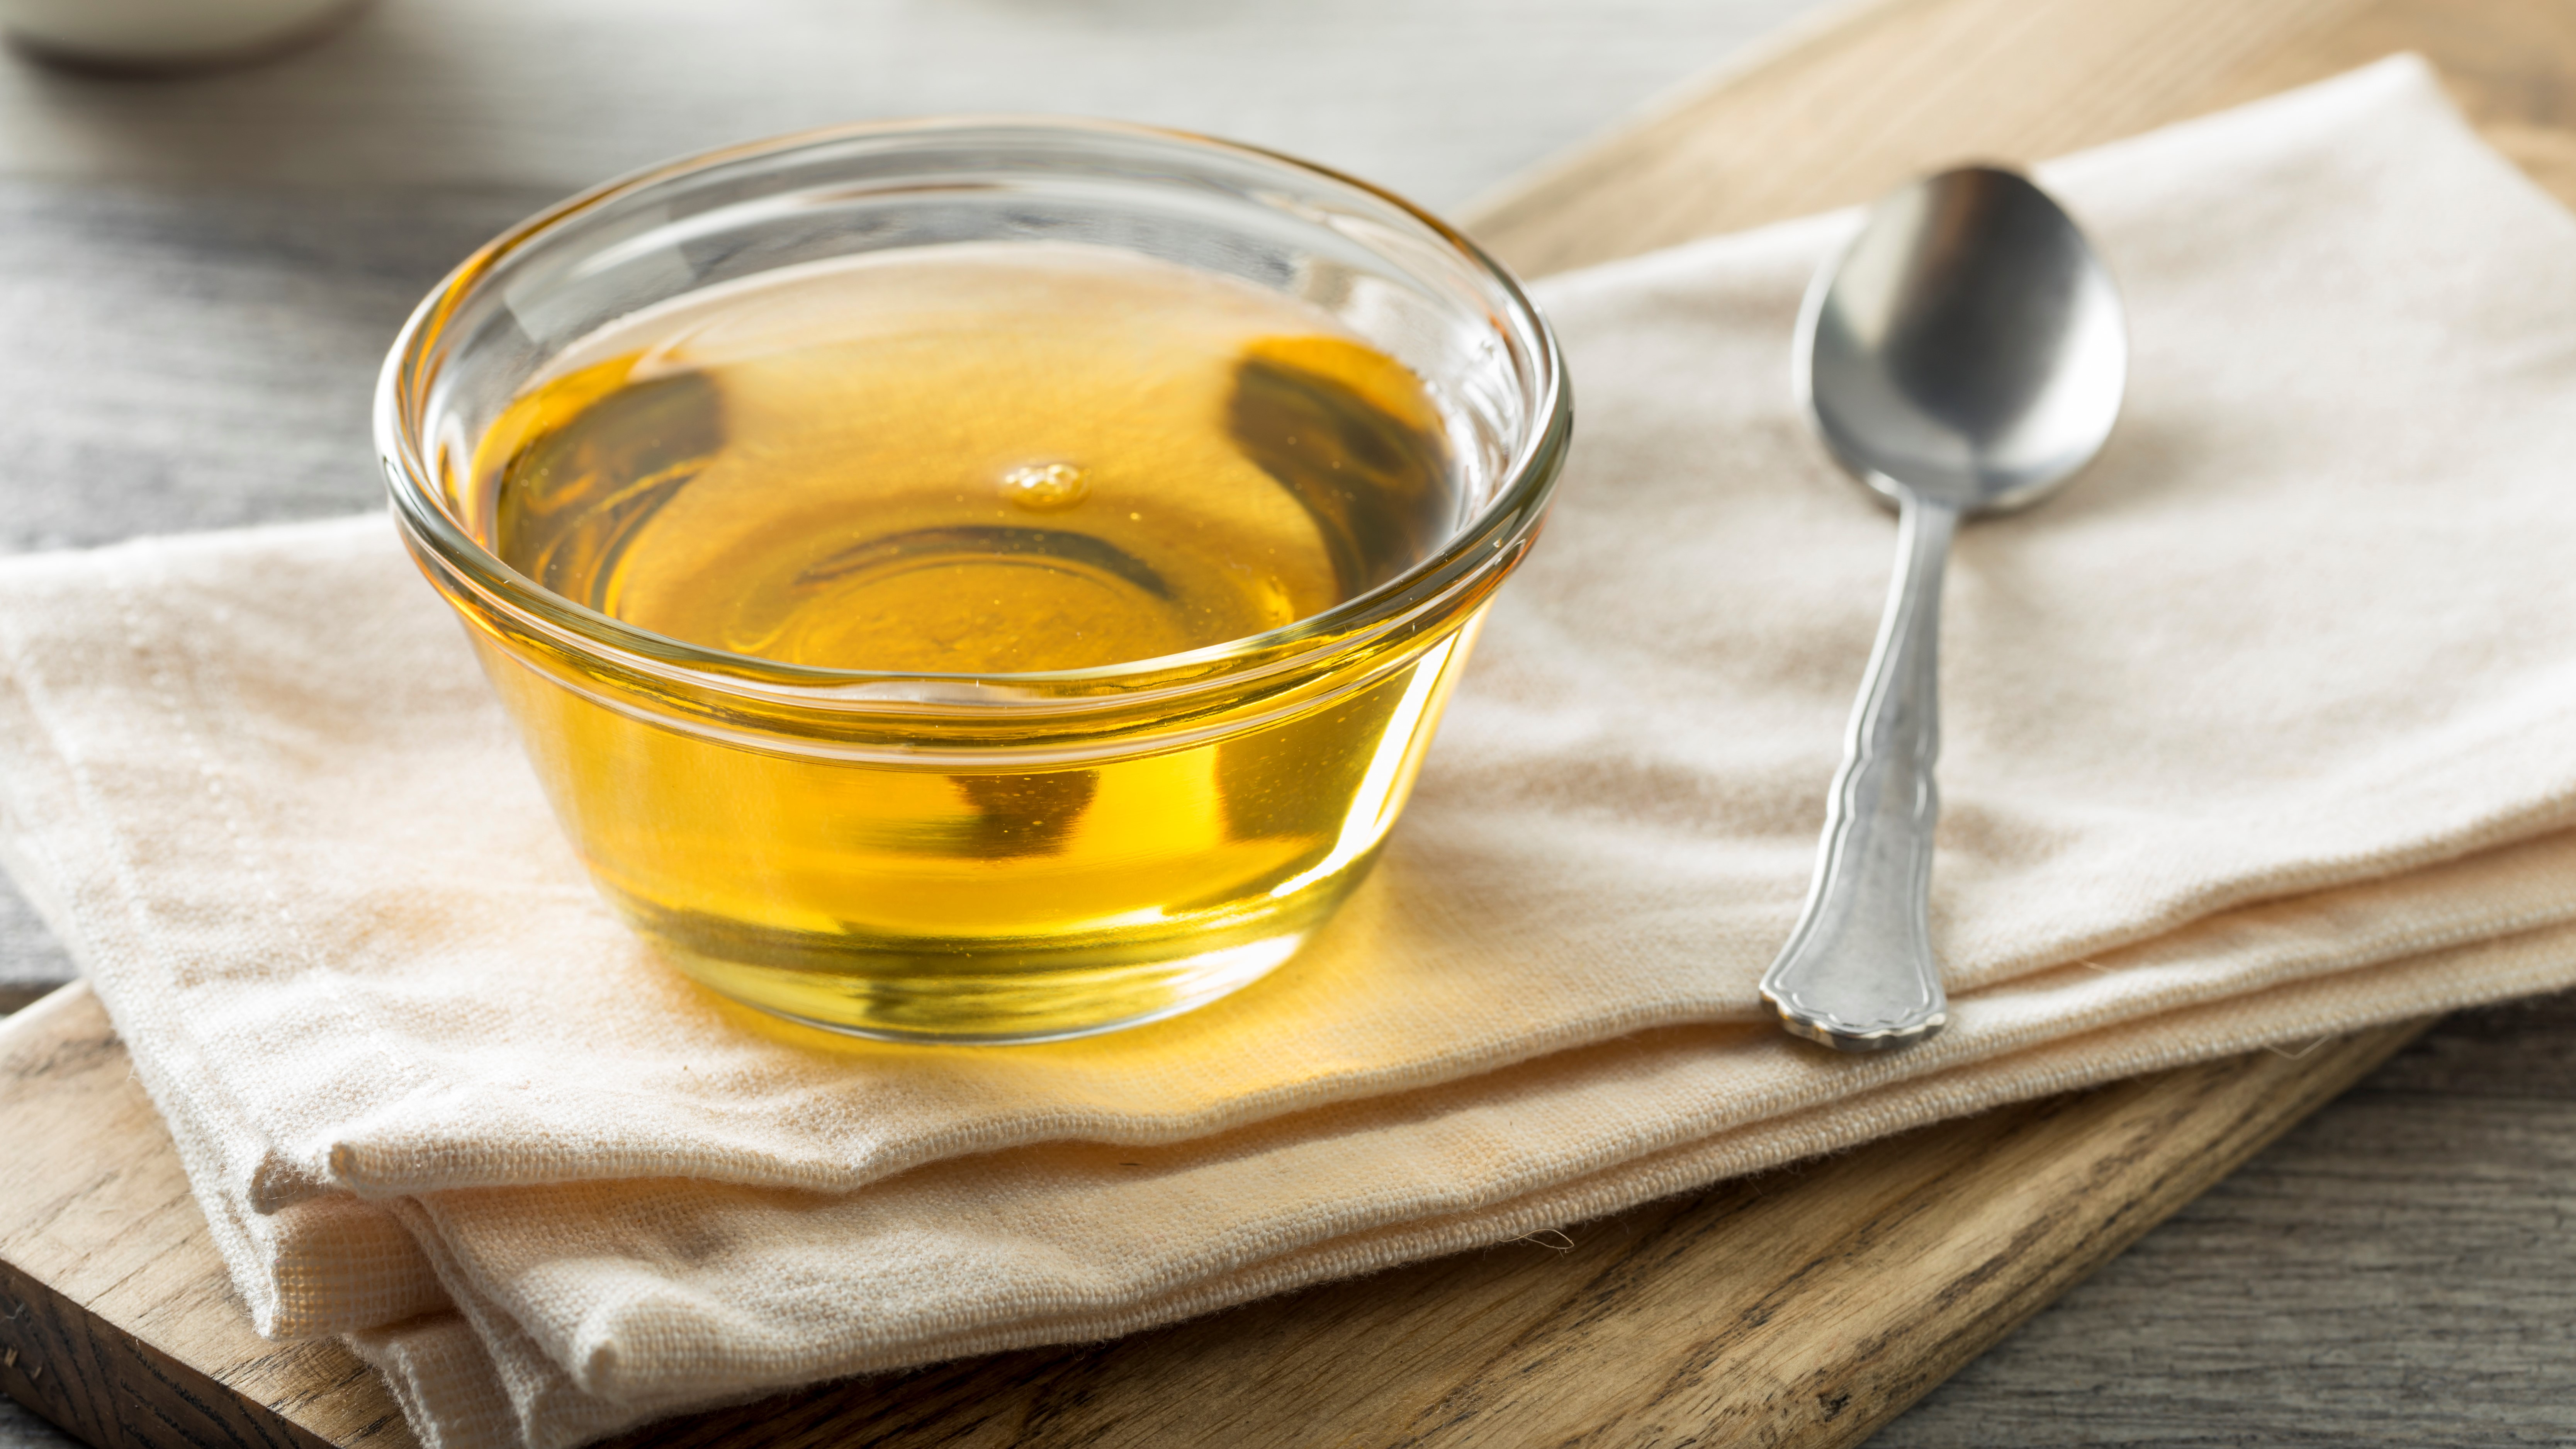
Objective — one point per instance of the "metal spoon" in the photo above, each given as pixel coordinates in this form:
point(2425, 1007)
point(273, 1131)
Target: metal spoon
point(1964, 355)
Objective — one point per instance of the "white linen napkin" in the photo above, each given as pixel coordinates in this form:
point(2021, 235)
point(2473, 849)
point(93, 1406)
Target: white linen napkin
point(2265, 730)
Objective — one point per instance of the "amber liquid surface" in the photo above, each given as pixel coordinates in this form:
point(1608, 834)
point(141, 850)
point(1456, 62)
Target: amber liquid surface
point(974, 461)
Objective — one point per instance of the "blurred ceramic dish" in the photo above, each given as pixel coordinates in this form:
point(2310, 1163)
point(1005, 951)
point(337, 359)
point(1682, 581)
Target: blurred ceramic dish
point(150, 36)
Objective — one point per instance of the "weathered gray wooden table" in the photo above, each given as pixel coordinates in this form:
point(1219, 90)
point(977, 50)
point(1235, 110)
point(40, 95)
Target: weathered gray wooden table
point(197, 279)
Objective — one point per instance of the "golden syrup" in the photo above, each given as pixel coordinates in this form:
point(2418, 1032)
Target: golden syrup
point(976, 461)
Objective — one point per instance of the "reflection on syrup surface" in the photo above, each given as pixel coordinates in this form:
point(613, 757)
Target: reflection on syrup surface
point(970, 465)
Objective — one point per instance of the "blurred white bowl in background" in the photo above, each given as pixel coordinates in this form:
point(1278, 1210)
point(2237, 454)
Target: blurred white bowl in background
point(164, 35)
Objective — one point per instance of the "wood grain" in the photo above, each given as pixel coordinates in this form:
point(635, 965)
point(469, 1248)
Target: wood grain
point(1837, 114)
point(1803, 1307)
point(121, 1325)
point(1903, 87)
point(2394, 1271)
point(246, 398)
point(1435, 98)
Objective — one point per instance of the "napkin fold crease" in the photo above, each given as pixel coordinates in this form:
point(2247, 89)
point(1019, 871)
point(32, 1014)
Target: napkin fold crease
point(2264, 732)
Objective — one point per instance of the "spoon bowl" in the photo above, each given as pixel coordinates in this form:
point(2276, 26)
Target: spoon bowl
point(1965, 354)
point(1967, 345)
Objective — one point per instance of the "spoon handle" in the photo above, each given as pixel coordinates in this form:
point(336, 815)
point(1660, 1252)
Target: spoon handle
point(1858, 972)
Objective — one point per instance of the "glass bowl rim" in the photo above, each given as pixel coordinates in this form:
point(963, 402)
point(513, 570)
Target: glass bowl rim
point(1509, 517)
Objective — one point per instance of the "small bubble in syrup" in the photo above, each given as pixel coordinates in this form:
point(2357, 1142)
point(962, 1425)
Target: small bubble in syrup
point(1046, 488)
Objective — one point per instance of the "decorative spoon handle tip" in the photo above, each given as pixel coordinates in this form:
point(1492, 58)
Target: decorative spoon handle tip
point(1854, 1039)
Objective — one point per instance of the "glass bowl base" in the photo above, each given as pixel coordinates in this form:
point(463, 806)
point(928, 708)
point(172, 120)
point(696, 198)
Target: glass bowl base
point(988, 993)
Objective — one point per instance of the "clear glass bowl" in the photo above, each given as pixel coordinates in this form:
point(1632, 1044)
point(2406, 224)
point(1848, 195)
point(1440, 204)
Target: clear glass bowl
point(734, 808)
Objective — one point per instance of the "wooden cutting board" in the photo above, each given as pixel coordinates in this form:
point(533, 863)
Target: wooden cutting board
point(1803, 1307)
